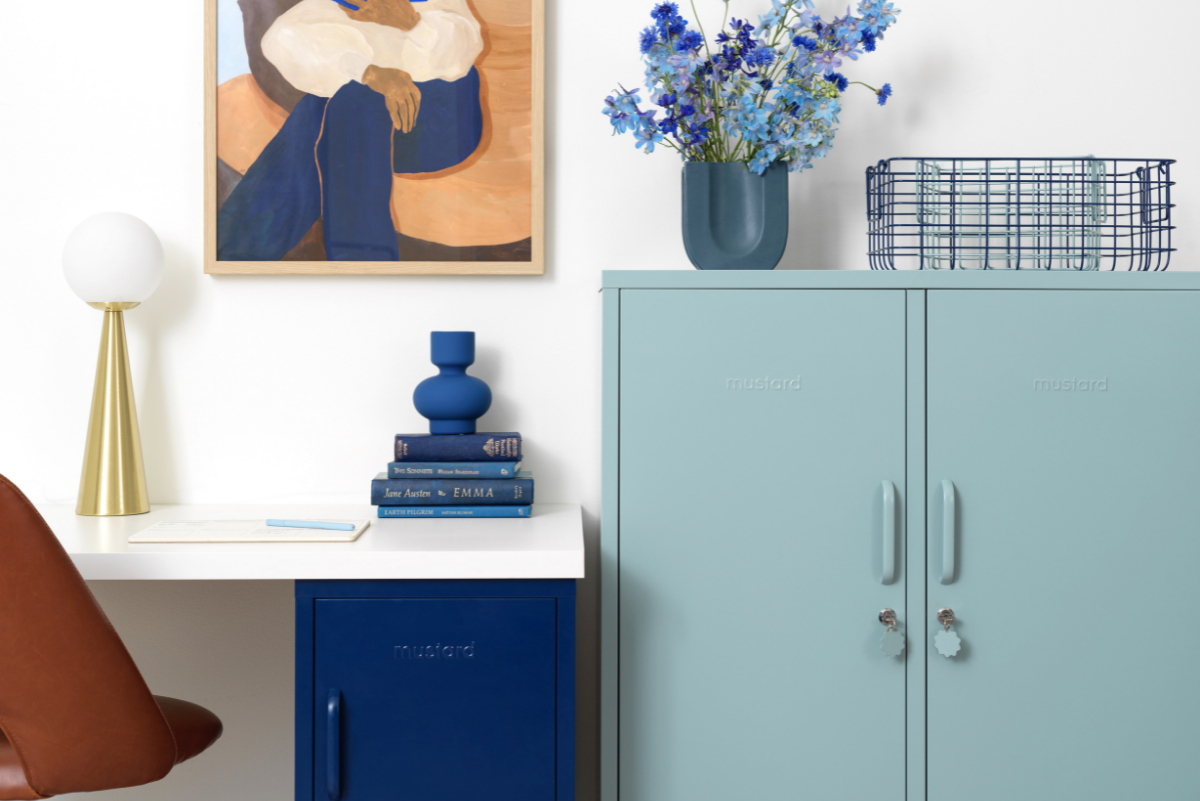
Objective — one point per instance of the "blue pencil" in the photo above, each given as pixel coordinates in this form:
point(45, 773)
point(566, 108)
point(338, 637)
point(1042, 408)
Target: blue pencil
point(311, 524)
point(347, 5)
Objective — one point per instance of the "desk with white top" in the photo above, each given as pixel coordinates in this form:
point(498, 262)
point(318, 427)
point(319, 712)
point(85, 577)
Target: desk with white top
point(433, 655)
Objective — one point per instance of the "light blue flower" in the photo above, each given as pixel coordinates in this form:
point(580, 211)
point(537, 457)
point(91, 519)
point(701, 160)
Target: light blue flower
point(760, 162)
point(827, 109)
point(648, 137)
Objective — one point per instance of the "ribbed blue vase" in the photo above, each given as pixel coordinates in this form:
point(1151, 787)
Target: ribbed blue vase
point(452, 400)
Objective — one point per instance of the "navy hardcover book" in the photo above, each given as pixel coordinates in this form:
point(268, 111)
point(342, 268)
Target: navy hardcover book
point(452, 491)
point(454, 511)
point(505, 447)
point(453, 469)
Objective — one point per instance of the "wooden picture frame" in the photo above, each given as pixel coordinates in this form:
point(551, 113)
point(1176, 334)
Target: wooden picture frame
point(443, 265)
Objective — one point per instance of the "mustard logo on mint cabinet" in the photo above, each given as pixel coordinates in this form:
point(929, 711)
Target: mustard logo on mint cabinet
point(1071, 384)
point(766, 383)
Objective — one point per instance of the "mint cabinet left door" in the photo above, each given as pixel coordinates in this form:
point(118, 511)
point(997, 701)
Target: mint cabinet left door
point(756, 430)
point(437, 698)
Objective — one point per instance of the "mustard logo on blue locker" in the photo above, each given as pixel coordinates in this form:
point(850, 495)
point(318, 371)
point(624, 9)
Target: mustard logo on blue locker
point(435, 651)
point(764, 383)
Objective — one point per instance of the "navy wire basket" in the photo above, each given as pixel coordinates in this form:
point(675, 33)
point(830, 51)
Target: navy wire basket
point(1020, 214)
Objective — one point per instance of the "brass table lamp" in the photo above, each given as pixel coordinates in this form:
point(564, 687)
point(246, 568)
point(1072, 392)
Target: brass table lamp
point(113, 262)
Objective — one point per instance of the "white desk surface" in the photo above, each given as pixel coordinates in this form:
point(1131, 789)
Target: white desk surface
point(547, 545)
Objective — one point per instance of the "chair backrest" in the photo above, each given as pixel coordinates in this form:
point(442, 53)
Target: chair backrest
point(72, 702)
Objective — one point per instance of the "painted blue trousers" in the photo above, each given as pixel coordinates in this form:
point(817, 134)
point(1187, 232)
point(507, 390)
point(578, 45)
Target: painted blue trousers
point(333, 161)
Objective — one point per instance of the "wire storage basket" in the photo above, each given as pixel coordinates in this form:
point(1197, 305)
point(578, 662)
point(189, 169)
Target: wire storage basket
point(1020, 214)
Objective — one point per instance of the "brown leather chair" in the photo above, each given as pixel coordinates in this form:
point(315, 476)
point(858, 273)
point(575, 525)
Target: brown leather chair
point(75, 713)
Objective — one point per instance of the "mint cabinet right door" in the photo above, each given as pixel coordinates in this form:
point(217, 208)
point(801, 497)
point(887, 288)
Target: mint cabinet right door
point(1069, 425)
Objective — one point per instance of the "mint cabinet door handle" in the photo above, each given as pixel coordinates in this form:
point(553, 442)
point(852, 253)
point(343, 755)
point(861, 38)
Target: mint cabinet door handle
point(889, 532)
point(333, 745)
point(949, 550)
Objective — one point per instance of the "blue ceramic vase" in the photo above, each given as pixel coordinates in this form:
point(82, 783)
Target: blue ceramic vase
point(734, 219)
point(452, 400)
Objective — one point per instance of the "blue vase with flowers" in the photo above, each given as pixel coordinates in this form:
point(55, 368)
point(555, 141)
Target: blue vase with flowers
point(765, 95)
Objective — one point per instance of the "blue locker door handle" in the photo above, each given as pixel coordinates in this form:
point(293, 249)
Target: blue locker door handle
point(333, 745)
point(889, 532)
point(949, 546)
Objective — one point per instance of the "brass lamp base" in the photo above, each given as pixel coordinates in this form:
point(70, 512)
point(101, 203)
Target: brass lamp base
point(114, 479)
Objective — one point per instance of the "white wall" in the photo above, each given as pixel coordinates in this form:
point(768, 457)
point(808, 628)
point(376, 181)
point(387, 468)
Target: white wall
point(289, 388)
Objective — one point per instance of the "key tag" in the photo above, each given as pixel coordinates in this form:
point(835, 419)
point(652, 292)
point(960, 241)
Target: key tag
point(946, 641)
point(892, 643)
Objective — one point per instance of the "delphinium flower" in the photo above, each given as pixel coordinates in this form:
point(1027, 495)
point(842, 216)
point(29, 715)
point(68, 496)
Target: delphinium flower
point(759, 94)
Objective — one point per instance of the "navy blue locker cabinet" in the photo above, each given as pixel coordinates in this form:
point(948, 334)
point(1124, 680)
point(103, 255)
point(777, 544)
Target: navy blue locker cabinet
point(454, 690)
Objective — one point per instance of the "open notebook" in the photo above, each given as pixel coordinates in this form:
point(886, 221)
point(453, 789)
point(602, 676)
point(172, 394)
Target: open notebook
point(244, 531)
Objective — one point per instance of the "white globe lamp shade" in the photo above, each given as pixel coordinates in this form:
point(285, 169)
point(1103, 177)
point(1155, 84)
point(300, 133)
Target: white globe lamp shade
point(113, 258)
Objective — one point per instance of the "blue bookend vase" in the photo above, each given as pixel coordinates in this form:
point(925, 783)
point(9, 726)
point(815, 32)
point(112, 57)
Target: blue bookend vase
point(452, 400)
point(734, 219)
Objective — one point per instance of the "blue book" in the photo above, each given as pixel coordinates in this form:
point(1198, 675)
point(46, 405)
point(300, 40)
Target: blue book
point(453, 491)
point(455, 511)
point(458, 447)
point(453, 469)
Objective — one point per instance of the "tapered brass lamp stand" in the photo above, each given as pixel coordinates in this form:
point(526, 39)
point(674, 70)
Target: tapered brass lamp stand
point(114, 478)
point(113, 262)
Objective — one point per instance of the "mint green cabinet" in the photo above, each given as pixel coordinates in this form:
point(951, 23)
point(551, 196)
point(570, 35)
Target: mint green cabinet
point(750, 422)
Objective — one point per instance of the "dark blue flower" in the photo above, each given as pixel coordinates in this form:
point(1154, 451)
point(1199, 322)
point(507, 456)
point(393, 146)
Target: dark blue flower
point(766, 84)
point(868, 41)
point(664, 11)
point(884, 94)
point(668, 100)
point(668, 126)
point(839, 80)
point(690, 40)
point(699, 136)
point(677, 26)
point(687, 110)
point(649, 39)
point(760, 57)
point(741, 31)
point(805, 42)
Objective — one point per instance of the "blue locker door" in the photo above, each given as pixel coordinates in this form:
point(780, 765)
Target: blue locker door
point(1069, 425)
point(452, 699)
point(756, 431)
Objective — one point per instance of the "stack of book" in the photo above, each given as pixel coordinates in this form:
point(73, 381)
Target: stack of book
point(454, 475)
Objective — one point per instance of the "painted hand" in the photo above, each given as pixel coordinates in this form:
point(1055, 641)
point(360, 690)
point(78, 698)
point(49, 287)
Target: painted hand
point(402, 96)
point(393, 13)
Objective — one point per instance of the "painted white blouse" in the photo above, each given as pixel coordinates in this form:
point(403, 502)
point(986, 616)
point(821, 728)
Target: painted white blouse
point(319, 49)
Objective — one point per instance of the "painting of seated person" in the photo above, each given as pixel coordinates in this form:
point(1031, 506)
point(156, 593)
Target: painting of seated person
point(374, 130)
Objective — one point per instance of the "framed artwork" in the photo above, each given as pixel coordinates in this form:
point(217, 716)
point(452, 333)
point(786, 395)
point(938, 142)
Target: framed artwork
point(374, 136)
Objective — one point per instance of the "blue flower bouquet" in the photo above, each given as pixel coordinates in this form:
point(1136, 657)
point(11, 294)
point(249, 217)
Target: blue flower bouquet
point(760, 94)
point(766, 96)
